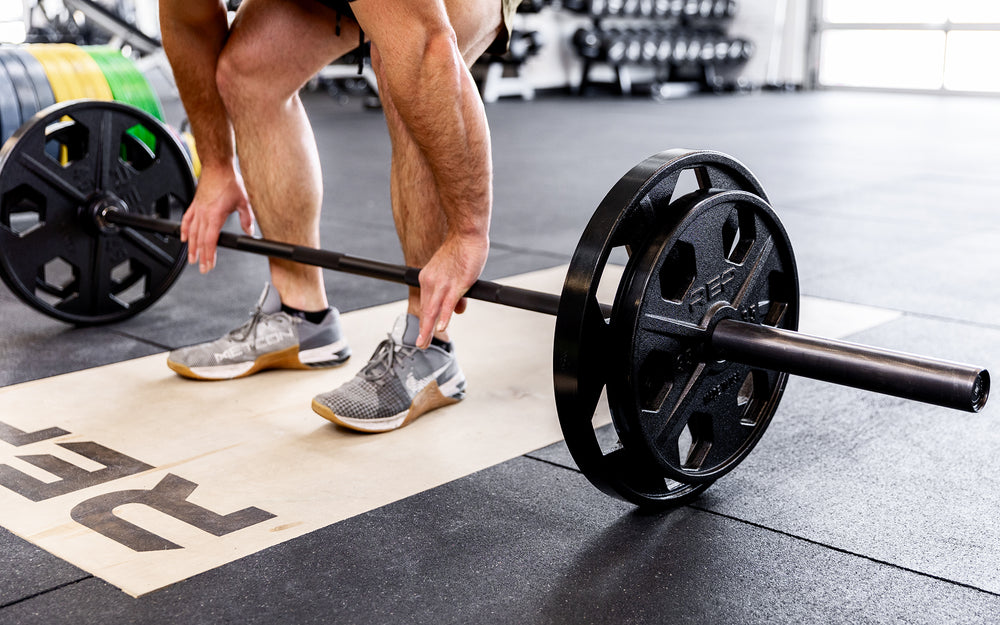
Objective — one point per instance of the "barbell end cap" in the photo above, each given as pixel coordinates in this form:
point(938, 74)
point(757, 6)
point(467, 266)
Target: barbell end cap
point(980, 391)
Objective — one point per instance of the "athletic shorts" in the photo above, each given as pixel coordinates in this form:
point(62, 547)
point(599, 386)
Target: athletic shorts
point(499, 46)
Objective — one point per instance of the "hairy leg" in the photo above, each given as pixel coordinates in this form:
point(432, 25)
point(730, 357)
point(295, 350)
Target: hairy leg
point(416, 204)
point(275, 47)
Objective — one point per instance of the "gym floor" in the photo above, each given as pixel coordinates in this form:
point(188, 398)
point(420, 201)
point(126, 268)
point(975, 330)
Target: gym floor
point(853, 508)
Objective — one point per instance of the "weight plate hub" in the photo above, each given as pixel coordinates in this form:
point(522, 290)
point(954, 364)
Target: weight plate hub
point(55, 252)
point(727, 258)
point(648, 200)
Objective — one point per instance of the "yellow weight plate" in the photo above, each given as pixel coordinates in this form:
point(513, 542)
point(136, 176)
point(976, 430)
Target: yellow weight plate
point(63, 80)
point(87, 70)
point(192, 152)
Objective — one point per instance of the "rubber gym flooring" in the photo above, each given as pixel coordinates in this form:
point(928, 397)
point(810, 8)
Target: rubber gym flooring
point(854, 507)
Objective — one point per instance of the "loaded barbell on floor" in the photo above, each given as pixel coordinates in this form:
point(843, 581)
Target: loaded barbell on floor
point(694, 351)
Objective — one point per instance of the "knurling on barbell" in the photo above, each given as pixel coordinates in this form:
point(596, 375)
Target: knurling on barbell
point(693, 354)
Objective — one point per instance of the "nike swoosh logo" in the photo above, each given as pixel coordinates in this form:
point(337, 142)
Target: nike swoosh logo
point(415, 385)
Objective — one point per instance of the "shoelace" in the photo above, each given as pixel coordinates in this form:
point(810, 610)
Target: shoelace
point(244, 331)
point(384, 359)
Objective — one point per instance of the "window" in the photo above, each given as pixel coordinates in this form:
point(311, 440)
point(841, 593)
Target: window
point(948, 45)
point(12, 22)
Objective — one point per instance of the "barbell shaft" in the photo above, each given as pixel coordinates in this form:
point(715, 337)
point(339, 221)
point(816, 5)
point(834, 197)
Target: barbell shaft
point(937, 382)
point(525, 299)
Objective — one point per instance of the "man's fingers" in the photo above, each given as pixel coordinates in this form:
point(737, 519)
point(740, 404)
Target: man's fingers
point(452, 300)
point(208, 239)
point(428, 319)
point(443, 319)
point(186, 225)
point(192, 241)
point(207, 253)
point(246, 220)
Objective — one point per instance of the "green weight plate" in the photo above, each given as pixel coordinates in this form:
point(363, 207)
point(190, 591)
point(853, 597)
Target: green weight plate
point(123, 79)
point(111, 73)
point(131, 84)
point(147, 97)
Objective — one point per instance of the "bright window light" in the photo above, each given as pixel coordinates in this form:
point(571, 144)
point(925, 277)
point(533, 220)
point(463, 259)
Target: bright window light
point(883, 58)
point(11, 10)
point(974, 11)
point(12, 32)
point(886, 11)
point(970, 64)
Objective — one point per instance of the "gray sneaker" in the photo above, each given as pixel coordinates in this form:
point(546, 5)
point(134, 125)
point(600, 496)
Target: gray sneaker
point(271, 339)
point(399, 383)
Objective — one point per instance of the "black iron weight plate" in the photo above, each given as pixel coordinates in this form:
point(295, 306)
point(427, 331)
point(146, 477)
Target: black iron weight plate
point(39, 79)
point(10, 106)
point(65, 164)
point(640, 205)
point(727, 258)
point(23, 86)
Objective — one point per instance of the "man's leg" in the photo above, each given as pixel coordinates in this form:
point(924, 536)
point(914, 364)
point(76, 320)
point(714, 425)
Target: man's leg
point(402, 382)
point(416, 205)
point(275, 47)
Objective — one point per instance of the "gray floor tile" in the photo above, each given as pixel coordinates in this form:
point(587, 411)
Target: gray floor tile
point(527, 542)
point(854, 507)
point(897, 481)
point(30, 571)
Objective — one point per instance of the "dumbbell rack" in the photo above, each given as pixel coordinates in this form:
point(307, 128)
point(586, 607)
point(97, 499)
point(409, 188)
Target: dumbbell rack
point(502, 75)
point(683, 43)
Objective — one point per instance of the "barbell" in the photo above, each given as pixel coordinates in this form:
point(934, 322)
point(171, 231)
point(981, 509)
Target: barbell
point(694, 352)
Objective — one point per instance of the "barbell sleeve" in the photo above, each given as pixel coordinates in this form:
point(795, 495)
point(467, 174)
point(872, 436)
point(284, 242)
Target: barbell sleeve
point(938, 382)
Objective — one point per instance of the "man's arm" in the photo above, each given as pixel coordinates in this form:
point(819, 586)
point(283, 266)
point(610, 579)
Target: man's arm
point(194, 33)
point(438, 101)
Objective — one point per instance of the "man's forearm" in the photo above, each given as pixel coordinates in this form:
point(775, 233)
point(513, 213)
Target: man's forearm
point(194, 32)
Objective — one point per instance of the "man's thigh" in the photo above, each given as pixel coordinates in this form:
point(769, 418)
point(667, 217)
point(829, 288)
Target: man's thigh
point(291, 39)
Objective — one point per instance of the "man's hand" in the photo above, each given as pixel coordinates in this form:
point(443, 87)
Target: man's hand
point(444, 280)
point(220, 192)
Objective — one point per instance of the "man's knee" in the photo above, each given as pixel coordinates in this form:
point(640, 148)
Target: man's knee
point(233, 74)
point(243, 78)
point(230, 75)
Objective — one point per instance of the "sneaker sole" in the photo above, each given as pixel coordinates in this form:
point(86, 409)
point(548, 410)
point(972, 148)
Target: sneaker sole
point(285, 359)
point(429, 398)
